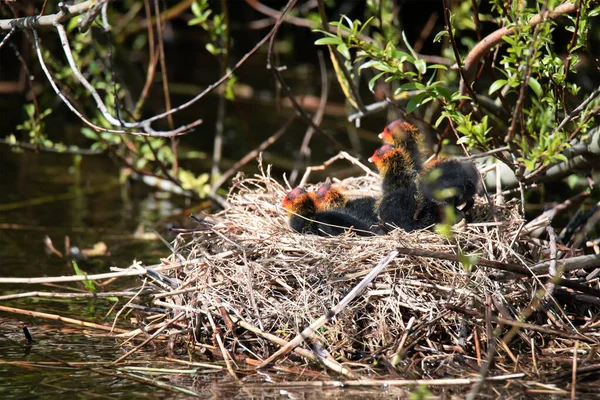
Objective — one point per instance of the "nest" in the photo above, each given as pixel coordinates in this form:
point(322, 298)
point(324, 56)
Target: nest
point(246, 284)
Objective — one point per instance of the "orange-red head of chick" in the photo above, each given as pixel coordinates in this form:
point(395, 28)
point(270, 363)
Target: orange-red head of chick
point(404, 134)
point(328, 197)
point(395, 167)
point(399, 132)
point(299, 201)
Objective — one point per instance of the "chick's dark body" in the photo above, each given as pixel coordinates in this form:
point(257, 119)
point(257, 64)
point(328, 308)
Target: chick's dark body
point(401, 204)
point(450, 182)
point(331, 198)
point(363, 208)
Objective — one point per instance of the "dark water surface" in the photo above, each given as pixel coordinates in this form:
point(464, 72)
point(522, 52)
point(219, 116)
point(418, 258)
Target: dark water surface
point(45, 195)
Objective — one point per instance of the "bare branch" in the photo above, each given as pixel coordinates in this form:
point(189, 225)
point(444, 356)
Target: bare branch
point(48, 21)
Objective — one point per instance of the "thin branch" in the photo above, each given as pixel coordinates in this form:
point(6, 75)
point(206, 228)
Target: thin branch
point(33, 147)
point(8, 35)
point(218, 83)
point(47, 21)
point(276, 72)
point(339, 60)
point(461, 71)
point(495, 38)
point(251, 155)
point(317, 119)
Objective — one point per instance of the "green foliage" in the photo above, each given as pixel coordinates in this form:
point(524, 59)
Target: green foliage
point(215, 26)
point(89, 285)
point(34, 126)
point(420, 393)
point(528, 68)
point(149, 155)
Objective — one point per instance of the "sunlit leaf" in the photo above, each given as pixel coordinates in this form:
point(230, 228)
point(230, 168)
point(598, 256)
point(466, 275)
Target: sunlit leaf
point(328, 40)
point(415, 102)
point(535, 86)
point(499, 84)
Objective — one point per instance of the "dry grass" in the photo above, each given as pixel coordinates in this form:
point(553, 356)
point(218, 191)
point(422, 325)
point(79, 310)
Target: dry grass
point(248, 274)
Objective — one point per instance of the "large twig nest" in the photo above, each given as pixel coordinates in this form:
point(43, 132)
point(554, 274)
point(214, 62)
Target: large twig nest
point(261, 271)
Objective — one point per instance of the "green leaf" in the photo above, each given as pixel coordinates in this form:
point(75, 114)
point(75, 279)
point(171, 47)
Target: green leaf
point(415, 102)
point(468, 261)
point(535, 86)
point(437, 66)
point(463, 140)
point(343, 49)
point(412, 51)
point(411, 86)
point(439, 36)
point(374, 79)
point(328, 40)
point(196, 10)
point(421, 66)
point(89, 285)
point(439, 120)
point(494, 87)
point(509, 40)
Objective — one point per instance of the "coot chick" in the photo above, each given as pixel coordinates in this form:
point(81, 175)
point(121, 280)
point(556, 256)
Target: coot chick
point(404, 134)
point(305, 218)
point(330, 197)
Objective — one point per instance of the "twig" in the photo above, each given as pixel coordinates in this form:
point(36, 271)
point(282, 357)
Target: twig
point(218, 83)
point(67, 295)
point(569, 264)
point(282, 84)
point(452, 257)
point(66, 320)
point(48, 21)
point(164, 326)
point(527, 71)
point(548, 215)
point(224, 352)
point(309, 332)
point(8, 35)
point(574, 372)
point(552, 271)
point(163, 64)
point(565, 121)
point(339, 60)
point(340, 156)
point(36, 148)
point(464, 82)
point(388, 382)
point(514, 268)
point(250, 156)
point(74, 278)
point(222, 104)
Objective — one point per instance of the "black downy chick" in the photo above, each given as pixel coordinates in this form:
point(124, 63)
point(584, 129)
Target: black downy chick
point(450, 182)
point(305, 218)
point(330, 197)
point(401, 203)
